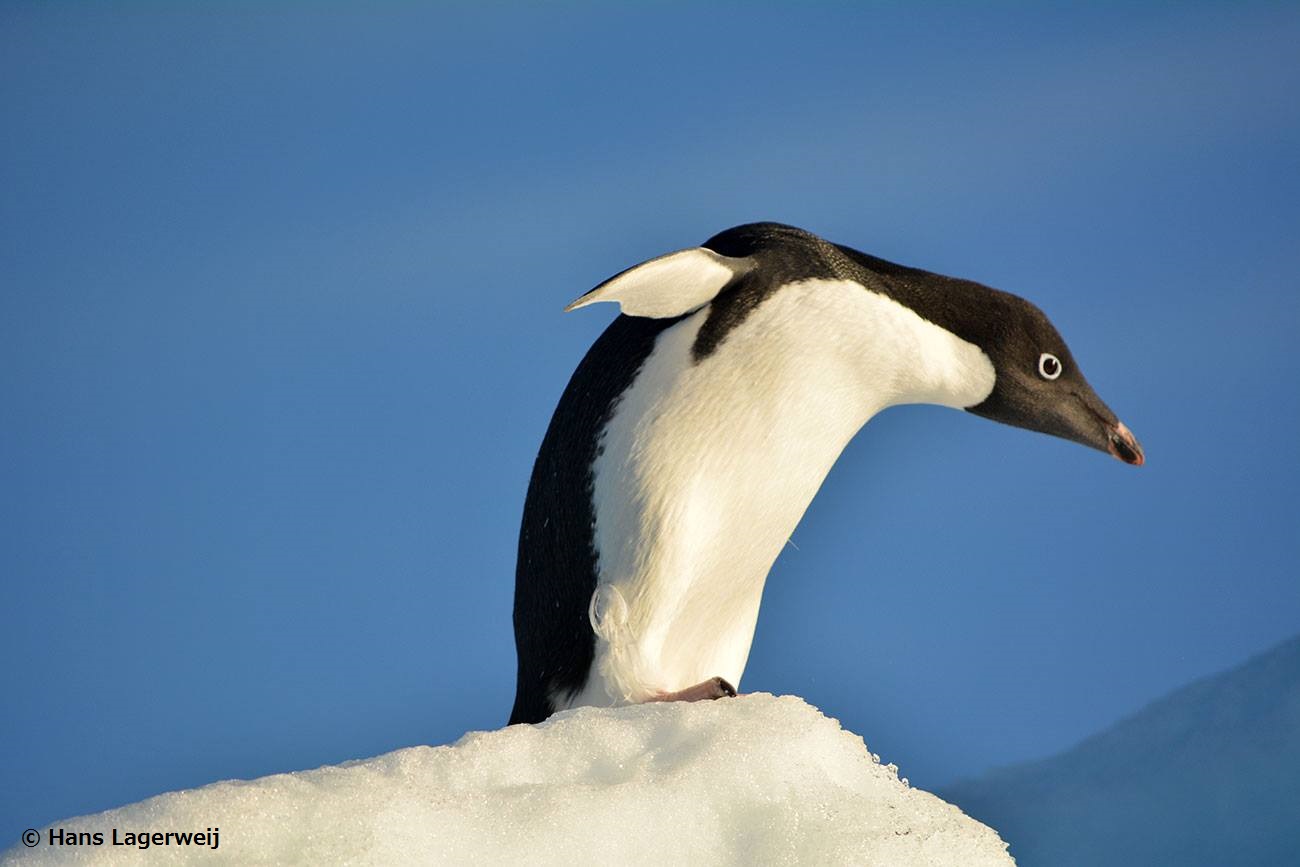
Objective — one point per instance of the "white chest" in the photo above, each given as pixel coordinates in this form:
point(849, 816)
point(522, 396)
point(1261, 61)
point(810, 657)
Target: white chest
point(706, 468)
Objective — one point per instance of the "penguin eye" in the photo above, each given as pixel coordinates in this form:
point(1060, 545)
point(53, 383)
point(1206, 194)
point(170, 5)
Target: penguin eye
point(1049, 366)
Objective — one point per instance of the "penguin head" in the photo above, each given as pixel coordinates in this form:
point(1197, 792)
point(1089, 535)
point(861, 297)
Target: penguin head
point(1039, 385)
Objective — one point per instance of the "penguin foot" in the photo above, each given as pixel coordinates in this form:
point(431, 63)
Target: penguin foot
point(714, 687)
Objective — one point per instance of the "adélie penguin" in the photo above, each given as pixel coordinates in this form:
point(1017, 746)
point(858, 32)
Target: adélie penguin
point(700, 425)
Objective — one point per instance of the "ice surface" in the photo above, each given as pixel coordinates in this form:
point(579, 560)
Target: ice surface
point(751, 780)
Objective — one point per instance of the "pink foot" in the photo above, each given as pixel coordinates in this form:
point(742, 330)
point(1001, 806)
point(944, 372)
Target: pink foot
point(714, 687)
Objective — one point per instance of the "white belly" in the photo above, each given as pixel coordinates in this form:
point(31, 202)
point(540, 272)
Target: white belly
point(706, 469)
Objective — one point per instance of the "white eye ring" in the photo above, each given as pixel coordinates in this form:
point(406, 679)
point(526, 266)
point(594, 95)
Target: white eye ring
point(1049, 366)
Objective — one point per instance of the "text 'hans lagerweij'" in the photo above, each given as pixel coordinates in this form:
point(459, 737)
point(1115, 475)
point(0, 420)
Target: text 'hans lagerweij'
point(138, 839)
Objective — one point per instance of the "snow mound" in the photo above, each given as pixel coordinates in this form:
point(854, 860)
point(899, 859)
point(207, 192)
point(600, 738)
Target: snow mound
point(756, 779)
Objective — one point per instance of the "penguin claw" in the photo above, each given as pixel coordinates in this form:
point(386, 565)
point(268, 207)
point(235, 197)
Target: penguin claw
point(713, 688)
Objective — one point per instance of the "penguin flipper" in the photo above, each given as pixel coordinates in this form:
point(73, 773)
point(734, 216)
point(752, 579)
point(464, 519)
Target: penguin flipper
point(668, 286)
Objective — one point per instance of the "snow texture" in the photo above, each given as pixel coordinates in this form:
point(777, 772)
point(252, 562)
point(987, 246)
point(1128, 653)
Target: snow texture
point(752, 780)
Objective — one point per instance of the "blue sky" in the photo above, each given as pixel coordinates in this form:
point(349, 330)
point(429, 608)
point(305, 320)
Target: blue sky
point(280, 332)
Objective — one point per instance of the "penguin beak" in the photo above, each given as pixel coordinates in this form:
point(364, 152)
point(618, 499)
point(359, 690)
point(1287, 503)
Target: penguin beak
point(1079, 416)
point(1123, 445)
point(1089, 421)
